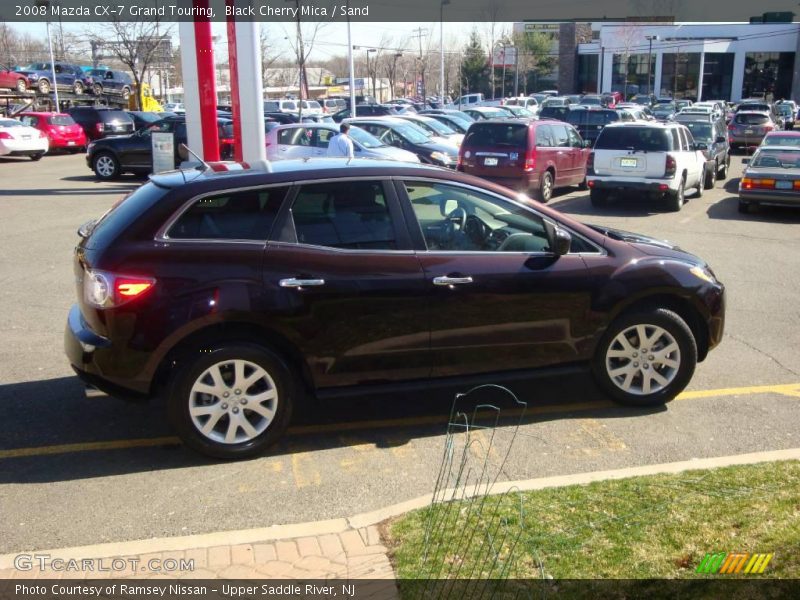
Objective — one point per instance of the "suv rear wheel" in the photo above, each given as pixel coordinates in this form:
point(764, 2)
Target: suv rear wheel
point(43, 86)
point(106, 166)
point(545, 191)
point(22, 86)
point(77, 88)
point(645, 358)
point(676, 199)
point(231, 402)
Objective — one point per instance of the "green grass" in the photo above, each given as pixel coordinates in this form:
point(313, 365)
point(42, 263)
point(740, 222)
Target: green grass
point(645, 527)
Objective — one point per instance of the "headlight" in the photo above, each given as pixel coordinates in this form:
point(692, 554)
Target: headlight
point(441, 157)
point(703, 273)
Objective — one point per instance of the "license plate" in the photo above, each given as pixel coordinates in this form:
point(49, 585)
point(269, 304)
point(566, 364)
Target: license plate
point(783, 185)
point(490, 162)
point(628, 162)
point(26, 137)
point(748, 131)
point(70, 143)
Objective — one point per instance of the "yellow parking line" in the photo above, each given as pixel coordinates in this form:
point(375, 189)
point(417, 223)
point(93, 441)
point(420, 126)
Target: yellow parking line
point(789, 389)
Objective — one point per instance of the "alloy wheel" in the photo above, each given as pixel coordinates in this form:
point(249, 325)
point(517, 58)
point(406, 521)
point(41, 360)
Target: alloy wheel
point(643, 359)
point(233, 401)
point(105, 167)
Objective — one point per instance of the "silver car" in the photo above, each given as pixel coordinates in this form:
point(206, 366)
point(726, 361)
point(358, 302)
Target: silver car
point(308, 140)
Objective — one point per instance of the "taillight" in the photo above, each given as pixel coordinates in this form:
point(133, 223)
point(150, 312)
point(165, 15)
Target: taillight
point(460, 162)
point(671, 166)
point(748, 183)
point(5, 136)
point(768, 127)
point(590, 164)
point(102, 289)
point(530, 160)
point(99, 127)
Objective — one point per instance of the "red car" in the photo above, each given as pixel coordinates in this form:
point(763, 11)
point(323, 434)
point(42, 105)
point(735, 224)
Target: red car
point(13, 80)
point(534, 156)
point(62, 131)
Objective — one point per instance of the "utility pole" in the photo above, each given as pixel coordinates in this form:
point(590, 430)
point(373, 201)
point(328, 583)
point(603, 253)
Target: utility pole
point(351, 69)
point(420, 32)
point(441, 50)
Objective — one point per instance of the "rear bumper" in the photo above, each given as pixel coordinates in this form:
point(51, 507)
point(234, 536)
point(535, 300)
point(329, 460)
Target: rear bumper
point(654, 186)
point(785, 198)
point(745, 140)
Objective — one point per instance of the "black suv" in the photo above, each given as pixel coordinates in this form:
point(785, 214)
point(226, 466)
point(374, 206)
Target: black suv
point(102, 122)
point(370, 110)
point(106, 81)
point(234, 294)
point(714, 134)
point(590, 121)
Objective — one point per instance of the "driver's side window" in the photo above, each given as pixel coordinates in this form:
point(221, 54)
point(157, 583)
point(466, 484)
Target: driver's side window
point(459, 219)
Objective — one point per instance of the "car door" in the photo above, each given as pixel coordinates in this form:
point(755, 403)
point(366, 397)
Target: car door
point(562, 155)
point(578, 155)
point(695, 161)
point(295, 142)
point(348, 287)
point(499, 299)
point(322, 138)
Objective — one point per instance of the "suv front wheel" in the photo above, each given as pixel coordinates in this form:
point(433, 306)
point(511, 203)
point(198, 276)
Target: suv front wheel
point(645, 358)
point(232, 401)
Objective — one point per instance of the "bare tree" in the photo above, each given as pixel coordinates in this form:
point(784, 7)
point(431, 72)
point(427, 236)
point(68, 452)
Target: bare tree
point(302, 42)
point(268, 54)
point(135, 44)
point(628, 37)
point(491, 14)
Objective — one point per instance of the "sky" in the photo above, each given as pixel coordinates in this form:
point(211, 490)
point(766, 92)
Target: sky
point(333, 40)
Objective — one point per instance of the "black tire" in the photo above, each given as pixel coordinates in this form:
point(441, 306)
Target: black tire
point(698, 191)
point(583, 185)
point(78, 88)
point(676, 199)
point(677, 377)
point(545, 190)
point(43, 86)
point(192, 370)
point(711, 177)
point(97, 89)
point(723, 172)
point(599, 198)
point(101, 169)
point(22, 86)
point(37, 156)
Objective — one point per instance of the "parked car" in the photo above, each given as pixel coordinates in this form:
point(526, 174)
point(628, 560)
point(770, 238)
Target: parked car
point(287, 117)
point(665, 111)
point(60, 129)
point(102, 122)
point(714, 135)
point(221, 293)
point(435, 128)
point(589, 122)
point(536, 156)
point(369, 110)
point(525, 102)
point(682, 103)
point(446, 111)
point(648, 100)
point(110, 157)
point(68, 76)
point(143, 118)
point(653, 160)
point(559, 113)
point(408, 136)
point(786, 114)
point(557, 101)
point(108, 81)
point(595, 100)
point(781, 138)
point(290, 106)
point(13, 80)
point(287, 142)
point(519, 112)
point(333, 105)
point(175, 107)
point(311, 107)
point(468, 100)
point(771, 176)
point(480, 113)
point(17, 139)
point(455, 123)
point(747, 128)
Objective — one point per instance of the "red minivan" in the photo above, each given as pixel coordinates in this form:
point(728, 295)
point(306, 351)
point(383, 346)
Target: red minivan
point(535, 156)
point(62, 131)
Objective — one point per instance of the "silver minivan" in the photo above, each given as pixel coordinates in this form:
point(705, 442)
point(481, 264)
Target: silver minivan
point(309, 140)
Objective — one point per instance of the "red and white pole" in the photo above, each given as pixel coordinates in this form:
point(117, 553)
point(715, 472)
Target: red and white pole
point(247, 91)
point(199, 84)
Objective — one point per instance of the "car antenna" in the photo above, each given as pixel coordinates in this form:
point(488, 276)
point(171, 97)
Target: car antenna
point(206, 166)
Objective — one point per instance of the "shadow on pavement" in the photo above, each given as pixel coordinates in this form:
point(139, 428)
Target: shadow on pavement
point(728, 209)
point(56, 411)
point(618, 206)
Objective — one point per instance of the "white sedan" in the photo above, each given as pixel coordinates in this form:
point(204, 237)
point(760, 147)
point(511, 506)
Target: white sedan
point(17, 139)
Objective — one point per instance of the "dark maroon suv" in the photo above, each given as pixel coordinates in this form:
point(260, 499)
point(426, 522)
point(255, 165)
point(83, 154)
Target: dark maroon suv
point(233, 294)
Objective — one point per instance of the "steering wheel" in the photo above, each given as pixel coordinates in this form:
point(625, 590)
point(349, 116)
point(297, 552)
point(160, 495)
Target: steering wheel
point(476, 230)
point(456, 217)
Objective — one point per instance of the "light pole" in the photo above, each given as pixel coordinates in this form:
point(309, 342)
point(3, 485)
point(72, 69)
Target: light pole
point(352, 82)
point(441, 49)
point(650, 39)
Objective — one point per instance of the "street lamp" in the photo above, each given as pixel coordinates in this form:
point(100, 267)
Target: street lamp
point(650, 39)
point(441, 47)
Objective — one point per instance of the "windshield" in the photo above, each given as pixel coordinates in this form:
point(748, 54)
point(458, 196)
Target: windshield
point(754, 106)
point(497, 135)
point(413, 133)
point(436, 126)
point(785, 109)
point(750, 119)
point(364, 138)
point(61, 120)
point(519, 111)
point(777, 139)
point(9, 123)
point(664, 108)
point(700, 130)
point(775, 158)
point(226, 129)
point(97, 72)
point(633, 138)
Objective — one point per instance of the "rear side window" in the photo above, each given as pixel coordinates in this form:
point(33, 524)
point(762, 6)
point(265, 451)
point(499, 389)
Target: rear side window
point(271, 107)
point(497, 135)
point(544, 136)
point(637, 138)
point(352, 215)
point(114, 115)
point(747, 119)
point(61, 120)
point(242, 215)
point(121, 217)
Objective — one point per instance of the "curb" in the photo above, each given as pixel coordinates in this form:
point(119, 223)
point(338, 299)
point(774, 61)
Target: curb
point(315, 528)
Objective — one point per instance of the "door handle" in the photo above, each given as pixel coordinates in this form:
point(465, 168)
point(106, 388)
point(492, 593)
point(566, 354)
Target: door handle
point(291, 282)
point(445, 280)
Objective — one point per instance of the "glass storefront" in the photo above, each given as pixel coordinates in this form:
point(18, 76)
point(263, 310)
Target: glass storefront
point(680, 72)
point(587, 73)
point(634, 71)
point(768, 75)
point(717, 75)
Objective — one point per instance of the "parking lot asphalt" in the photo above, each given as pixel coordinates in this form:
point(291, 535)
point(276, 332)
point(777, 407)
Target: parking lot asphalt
point(75, 470)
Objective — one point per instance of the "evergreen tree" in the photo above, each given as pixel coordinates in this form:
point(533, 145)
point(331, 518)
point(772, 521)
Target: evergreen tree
point(475, 67)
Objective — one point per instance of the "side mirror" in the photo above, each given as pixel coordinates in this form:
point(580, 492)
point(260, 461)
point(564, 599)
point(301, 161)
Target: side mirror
point(562, 241)
point(447, 207)
point(700, 146)
point(745, 161)
point(721, 139)
point(587, 143)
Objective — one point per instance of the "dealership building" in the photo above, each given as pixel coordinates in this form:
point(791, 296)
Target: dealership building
point(720, 61)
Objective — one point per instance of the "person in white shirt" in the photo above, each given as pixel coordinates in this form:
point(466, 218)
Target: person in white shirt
point(341, 144)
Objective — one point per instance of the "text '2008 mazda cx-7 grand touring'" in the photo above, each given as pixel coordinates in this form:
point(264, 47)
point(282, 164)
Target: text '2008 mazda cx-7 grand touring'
point(233, 294)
